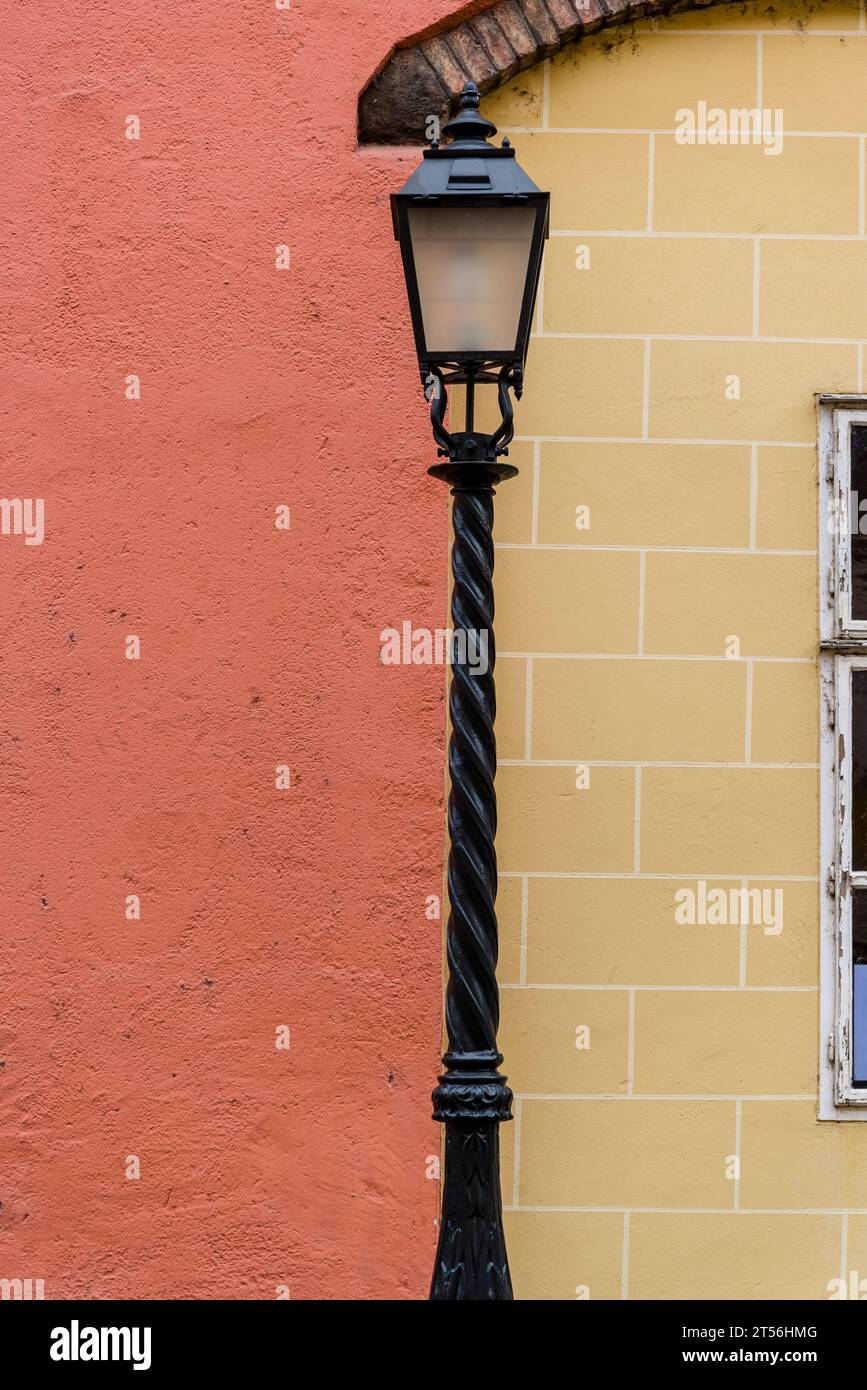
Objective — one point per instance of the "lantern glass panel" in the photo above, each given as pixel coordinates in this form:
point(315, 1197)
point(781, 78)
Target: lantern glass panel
point(471, 264)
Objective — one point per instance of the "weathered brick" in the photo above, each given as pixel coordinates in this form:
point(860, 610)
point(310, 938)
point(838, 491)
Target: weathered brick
point(445, 64)
point(471, 56)
point(565, 18)
point(491, 36)
point(543, 26)
point(595, 15)
point(511, 20)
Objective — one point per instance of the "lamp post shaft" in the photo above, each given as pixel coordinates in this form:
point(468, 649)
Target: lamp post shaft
point(472, 1098)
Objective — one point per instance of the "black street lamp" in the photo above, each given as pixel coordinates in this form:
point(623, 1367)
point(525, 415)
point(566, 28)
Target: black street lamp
point(471, 227)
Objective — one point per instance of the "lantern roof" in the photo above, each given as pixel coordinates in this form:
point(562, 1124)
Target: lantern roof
point(468, 166)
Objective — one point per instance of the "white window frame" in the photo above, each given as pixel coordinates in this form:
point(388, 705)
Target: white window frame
point(843, 648)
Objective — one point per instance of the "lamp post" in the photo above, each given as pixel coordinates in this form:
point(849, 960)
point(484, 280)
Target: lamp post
point(471, 227)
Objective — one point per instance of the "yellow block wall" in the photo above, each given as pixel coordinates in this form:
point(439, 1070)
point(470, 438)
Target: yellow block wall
point(705, 263)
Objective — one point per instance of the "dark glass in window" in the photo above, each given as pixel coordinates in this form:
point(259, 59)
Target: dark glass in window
point(859, 987)
point(857, 519)
point(859, 770)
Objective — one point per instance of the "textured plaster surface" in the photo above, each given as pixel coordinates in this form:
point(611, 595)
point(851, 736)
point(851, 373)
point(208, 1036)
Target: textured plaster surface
point(260, 908)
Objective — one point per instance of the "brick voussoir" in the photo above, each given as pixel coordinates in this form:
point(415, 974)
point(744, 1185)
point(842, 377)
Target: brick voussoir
point(472, 56)
point(495, 43)
point(445, 64)
point(542, 25)
point(510, 17)
point(596, 13)
point(630, 9)
point(565, 18)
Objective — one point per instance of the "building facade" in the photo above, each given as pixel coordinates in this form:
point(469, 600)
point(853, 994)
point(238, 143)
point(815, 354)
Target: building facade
point(223, 839)
point(680, 759)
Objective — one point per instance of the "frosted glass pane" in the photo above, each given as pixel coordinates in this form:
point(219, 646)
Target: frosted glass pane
point(471, 265)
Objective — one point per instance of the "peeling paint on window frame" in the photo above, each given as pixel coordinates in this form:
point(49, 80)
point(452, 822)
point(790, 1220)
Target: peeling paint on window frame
point(842, 649)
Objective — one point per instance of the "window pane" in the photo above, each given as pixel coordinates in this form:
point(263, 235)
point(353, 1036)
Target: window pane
point(859, 770)
point(858, 542)
point(859, 987)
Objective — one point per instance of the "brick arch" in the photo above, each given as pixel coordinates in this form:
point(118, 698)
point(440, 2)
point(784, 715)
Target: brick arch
point(488, 41)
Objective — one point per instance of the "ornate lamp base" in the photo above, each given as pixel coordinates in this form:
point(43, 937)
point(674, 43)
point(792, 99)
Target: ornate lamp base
point(471, 1260)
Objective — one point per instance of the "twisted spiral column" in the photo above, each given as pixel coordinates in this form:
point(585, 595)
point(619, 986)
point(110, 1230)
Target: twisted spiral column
point(472, 998)
point(472, 1098)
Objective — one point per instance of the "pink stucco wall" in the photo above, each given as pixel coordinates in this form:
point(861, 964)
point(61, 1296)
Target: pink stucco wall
point(259, 908)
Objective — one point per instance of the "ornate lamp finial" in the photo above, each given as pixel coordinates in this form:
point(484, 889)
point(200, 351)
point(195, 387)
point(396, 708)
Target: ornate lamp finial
point(468, 125)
